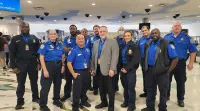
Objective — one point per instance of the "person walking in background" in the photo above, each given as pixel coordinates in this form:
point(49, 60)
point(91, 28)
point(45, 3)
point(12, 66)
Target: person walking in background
point(3, 45)
point(7, 52)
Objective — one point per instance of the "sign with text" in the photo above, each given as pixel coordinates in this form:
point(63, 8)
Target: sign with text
point(10, 5)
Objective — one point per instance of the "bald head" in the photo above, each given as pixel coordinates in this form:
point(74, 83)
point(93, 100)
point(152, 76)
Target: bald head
point(25, 28)
point(176, 28)
point(155, 34)
point(80, 40)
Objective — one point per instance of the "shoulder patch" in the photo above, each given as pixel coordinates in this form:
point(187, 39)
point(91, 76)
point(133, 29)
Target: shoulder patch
point(42, 46)
point(172, 46)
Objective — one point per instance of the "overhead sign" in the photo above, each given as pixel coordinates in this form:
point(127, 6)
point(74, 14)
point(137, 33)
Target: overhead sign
point(10, 5)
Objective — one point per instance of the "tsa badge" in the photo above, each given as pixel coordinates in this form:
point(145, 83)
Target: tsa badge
point(130, 51)
point(42, 46)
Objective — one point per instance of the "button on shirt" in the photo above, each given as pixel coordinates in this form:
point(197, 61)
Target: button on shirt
point(182, 43)
point(142, 43)
point(124, 54)
point(51, 52)
point(153, 50)
point(69, 42)
point(79, 56)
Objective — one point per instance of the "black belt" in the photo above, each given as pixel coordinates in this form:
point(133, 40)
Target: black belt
point(81, 69)
point(56, 62)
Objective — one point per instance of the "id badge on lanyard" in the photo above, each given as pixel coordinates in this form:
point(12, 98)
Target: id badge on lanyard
point(26, 47)
point(26, 40)
point(85, 64)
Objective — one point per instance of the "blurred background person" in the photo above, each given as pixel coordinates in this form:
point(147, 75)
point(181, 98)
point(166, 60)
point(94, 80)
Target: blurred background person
point(3, 45)
point(120, 40)
point(7, 52)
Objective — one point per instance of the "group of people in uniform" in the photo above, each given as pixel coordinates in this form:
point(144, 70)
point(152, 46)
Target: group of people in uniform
point(105, 59)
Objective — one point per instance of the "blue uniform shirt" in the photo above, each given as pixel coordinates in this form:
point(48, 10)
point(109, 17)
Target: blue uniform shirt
point(88, 42)
point(79, 57)
point(95, 38)
point(119, 40)
point(182, 43)
point(101, 43)
point(69, 42)
point(51, 52)
point(142, 43)
point(152, 52)
point(124, 54)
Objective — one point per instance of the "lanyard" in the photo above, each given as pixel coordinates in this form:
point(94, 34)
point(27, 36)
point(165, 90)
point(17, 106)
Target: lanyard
point(26, 38)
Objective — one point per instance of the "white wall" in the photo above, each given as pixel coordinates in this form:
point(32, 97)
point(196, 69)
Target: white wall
point(9, 29)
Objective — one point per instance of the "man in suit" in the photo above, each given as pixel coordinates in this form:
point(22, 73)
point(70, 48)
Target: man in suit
point(104, 63)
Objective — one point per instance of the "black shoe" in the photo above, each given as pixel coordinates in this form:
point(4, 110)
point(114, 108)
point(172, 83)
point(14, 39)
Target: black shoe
point(95, 92)
point(148, 109)
point(90, 89)
point(181, 103)
point(58, 103)
point(117, 89)
point(86, 104)
point(124, 105)
point(64, 98)
point(36, 100)
point(80, 106)
point(110, 109)
point(143, 95)
point(44, 108)
point(19, 105)
point(101, 105)
point(130, 108)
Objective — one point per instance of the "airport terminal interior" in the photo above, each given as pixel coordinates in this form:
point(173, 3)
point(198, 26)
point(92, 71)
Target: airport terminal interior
point(42, 15)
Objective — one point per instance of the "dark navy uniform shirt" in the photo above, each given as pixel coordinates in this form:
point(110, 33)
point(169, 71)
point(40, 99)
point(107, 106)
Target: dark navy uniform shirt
point(69, 42)
point(124, 54)
point(51, 52)
point(182, 43)
point(142, 43)
point(152, 52)
point(79, 57)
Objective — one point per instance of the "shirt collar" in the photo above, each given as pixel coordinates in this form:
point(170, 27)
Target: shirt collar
point(156, 42)
point(49, 42)
point(28, 35)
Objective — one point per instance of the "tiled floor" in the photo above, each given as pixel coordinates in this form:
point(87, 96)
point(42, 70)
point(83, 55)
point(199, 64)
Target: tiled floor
point(192, 101)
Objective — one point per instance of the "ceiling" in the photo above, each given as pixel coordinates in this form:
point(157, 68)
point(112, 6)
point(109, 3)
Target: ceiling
point(111, 11)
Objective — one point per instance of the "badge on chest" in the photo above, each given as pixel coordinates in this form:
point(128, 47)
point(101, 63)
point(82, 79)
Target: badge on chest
point(130, 51)
point(26, 47)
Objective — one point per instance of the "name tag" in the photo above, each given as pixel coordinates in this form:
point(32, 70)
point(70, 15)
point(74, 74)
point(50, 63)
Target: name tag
point(85, 65)
point(98, 61)
point(26, 47)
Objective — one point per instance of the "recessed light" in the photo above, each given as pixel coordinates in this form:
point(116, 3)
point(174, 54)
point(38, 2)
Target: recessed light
point(0, 13)
point(29, 1)
point(90, 15)
point(93, 4)
point(119, 21)
point(54, 20)
point(150, 5)
point(130, 15)
point(167, 16)
point(198, 16)
point(199, 6)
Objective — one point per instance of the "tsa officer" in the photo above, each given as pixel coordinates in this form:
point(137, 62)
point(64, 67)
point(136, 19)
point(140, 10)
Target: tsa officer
point(69, 43)
point(119, 39)
point(88, 41)
point(52, 59)
point(25, 60)
point(96, 77)
point(78, 62)
point(182, 43)
point(160, 60)
point(129, 58)
point(146, 37)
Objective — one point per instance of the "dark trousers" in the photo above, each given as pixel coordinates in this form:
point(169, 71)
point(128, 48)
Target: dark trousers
point(7, 58)
point(25, 68)
point(143, 73)
point(179, 73)
point(116, 78)
point(96, 80)
point(54, 70)
point(80, 87)
point(106, 86)
point(68, 84)
point(152, 80)
point(128, 83)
